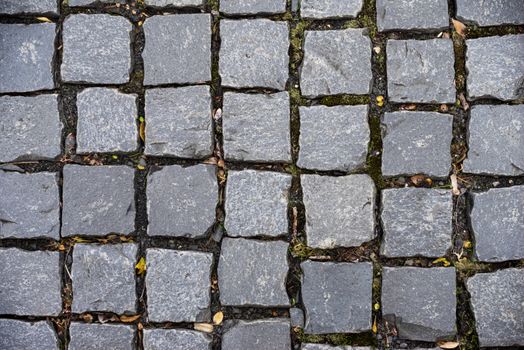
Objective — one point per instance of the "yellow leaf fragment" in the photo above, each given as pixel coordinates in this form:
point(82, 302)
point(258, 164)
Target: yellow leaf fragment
point(140, 167)
point(374, 327)
point(143, 131)
point(380, 101)
point(218, 318)
point(460, 27)
point(129, 319)
point(44, 19)
point(448, 344)
point(376, 306)
point(467, 244)
point(203, 327)
point(141, 266)
point(442, 260)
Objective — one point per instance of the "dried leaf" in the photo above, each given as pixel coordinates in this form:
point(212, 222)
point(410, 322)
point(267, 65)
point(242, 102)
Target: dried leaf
point(376, 49)
point(448, 344)
point(143, 131)
point(460, 27)
point(87, 318)
point(417, 180)
point(211, 160)
point(129, 319)
point(463, 102)
point(467, 244)
point(218, 318)
point(105, 319)
point(442, 260)
point(141, 266)
point(218, 114)
point(44, 19)
point(374, 328)
point(454, 184)
point(380, 101)
point(140, 167)
point(411, 107)
point(80, 240)
point(203, 327)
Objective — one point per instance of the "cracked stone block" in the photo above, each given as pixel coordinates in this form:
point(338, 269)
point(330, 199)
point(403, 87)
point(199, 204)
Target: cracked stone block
point(30, 282)
point(253, 273)
point(256, 203)
point(497, 300)
point(254, 53)
point(337, 297)
point(331, 347)
point(412, 14)
point(496, 140)
point(495, 67)
point(104, 278)
point(178, 285)
point(181, 202)
point(178, 122)
point(26, 57)
point(268, 334)
point(106, 121)
point(256, 127)
point(421, 302)
point(246, 7)
point(416, 222)
point(297, 317)
point(177, 49)
point(15, 334)
point(101, 336)
point(333, 138)
point(497, 219)
point(97, 49)
point(330, 8)
point(28, 6)
point(336, 62)
point(339, 210)
point(31, 128)
point(30, 205)
point(416, 143)
point(421, 71)
point(175, 339)
point(491, 13)
point(98, 200)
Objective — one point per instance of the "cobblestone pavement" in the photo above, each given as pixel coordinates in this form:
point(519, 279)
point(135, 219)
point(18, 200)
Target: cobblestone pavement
point(261, 174)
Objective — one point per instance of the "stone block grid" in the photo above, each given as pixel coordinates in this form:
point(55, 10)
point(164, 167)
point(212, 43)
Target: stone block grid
point(143, 242)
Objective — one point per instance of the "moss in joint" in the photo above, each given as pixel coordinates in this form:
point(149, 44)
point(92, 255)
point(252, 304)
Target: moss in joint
point(335, 100)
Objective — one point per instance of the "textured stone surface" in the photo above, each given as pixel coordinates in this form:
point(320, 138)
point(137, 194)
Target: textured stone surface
point(496, 67)
point(106, 121)
point(175, 339)
point(330, 8)
point(333, 138)
point(30, 282)
point(177, 49)
point(73, 3)
point(256, 203)
point(256, 127)
point(254, 53)
point(497, 300)
point(337, 297)
point(422, 300)
point(28, 6)
point(29, 206)
point(181, 201)
point(416, 221)
point(104, 278)
point(336, 62)
point(253, 273)
point(496, 140)
point(252, 6)
point(297, 317)
point(339, 210)
point(416, 142)
point(98, 200)
point(178, 285)
point(269, 334)
point(174, 2)
point(96, 49)
point(31, 127)
point(331, 347)
point(421, 71)
point(178, 122)
point(16, 334)
point(497, 219)
point(100, 337)
point(412, 14)
point(26, 57)
point(491, 13)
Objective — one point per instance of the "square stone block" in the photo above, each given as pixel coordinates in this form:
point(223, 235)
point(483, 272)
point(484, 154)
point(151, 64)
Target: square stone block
point(412, 14)
point(319, 9)
point(247, 7)
point(101, 336)
point(176, 339)
point(28, 6)
point(492, 13)
point(15, 334)
point(266, 334)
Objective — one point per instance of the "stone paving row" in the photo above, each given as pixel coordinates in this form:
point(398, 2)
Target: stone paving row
point(343, 204)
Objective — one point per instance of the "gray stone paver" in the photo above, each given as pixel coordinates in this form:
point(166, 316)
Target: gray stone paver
point(98, 200)
point(74, 3)
point(336, 62)
point(164, 61)
point(423, 300)
point(178, 285)
point(30, 282)
point(414, 14)
point(252, 6)
point(491, 13)
point(496, 140)
point(268, 334)
point(96, 49)
point(416, 142)
point(30, 206)
point(497, 220)
point(337, 297)
point(181, 201)
point(254, 53)
point(330, 8)
point(104, 278)
point(296, 316)
point(26, 57)
point(175, 339)
point(495, 66)
point(333, 138)
point(174, 2)
point(101, 336)
point(28, 6)
point(339, 210)
point(253, 273)
point(15, 334)
point(332, 347)
point(178, 122)
point(497, 300)
point(256, 127)
point(106, 121)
